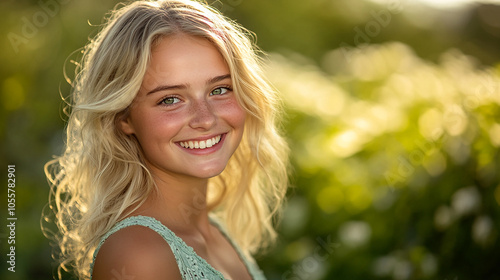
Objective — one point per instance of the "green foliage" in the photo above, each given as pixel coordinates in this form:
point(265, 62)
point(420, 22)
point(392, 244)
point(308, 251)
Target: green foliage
point(396, 163)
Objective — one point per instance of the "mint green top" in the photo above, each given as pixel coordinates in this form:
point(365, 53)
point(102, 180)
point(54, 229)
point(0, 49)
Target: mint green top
point(191, 265)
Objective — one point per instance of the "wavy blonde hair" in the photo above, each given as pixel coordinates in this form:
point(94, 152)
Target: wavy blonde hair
point(101, 176)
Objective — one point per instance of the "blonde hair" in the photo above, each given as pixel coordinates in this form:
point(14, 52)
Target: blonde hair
point(101, 176)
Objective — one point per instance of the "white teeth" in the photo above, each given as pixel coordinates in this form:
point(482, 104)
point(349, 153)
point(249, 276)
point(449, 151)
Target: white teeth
point(201, 144)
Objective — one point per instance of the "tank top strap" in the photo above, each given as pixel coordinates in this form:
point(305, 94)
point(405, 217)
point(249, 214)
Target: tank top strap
point(248, 261)
point(190, 264)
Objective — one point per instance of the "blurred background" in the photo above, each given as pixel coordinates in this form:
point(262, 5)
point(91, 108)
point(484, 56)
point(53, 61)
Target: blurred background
point(393, 116)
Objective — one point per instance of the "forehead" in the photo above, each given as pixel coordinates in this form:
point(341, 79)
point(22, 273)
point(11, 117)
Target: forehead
point(183, 58)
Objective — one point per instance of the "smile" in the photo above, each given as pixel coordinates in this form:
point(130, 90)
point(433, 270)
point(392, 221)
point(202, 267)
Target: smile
point(201, 144)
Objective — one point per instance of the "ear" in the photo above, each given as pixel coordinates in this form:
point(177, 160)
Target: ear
point(124, 123)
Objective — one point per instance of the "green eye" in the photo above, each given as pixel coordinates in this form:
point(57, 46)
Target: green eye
point(170, 100)
point(219, 91)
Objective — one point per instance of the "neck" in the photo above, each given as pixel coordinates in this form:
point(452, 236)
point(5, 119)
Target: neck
point(179, 202)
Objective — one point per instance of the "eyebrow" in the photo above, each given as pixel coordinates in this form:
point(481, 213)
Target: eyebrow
point(183, 86)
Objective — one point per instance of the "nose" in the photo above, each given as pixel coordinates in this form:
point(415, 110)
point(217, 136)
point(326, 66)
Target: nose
point(203, 115)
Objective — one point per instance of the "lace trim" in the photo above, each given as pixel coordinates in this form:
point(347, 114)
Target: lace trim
point(190, 264)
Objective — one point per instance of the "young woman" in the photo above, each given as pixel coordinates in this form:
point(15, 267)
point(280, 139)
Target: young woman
point(174, 167)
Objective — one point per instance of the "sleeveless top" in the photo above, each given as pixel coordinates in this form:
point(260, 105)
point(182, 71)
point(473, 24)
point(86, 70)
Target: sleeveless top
point(191, 265)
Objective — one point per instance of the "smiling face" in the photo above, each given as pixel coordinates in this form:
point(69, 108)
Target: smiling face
point(186, 117)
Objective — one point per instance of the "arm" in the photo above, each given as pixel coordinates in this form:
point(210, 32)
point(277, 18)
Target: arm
point(135, 253)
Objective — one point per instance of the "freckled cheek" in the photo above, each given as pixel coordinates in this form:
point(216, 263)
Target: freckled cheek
point(233, 113)
point(159, 128)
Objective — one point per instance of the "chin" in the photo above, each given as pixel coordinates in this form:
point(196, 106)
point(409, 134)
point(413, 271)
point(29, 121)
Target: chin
point(207, 174)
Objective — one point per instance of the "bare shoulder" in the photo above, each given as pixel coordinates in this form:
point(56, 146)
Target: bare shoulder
point(135, 252)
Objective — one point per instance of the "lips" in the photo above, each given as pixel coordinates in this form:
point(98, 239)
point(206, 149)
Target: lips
point(201, 144)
